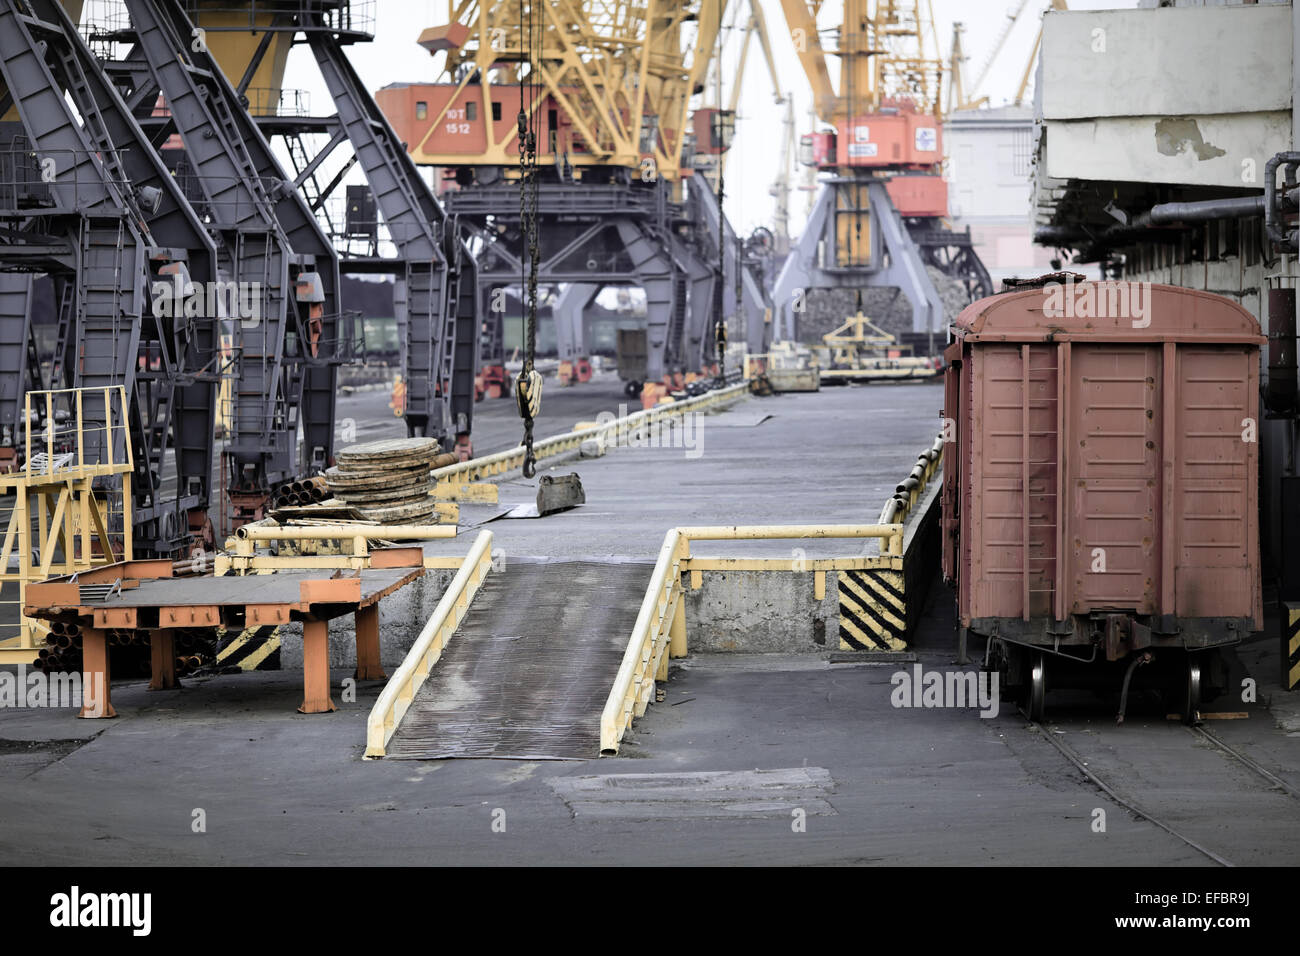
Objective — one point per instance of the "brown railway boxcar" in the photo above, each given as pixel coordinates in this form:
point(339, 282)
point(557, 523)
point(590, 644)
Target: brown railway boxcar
point(1100, 484)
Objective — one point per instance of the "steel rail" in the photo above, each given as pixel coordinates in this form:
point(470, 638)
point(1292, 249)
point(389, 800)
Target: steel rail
point(1274, 781)
point(1069, 754)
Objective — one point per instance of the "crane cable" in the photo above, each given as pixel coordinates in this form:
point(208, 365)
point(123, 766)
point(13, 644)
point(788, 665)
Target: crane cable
point(528, 388)
point(719, 320)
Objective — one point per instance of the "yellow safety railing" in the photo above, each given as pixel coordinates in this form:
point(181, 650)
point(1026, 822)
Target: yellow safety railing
point(661, 621)
point(660, 629)
point(59, 450)
point(610, 434)
point(396, 697)
point(241, 553)
point(59, 521)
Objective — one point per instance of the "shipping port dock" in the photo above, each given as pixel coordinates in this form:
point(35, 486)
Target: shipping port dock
point(754, 726)
point(642, 433)
point(713, 772)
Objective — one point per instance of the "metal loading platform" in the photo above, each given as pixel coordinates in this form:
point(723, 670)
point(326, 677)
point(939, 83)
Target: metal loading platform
point(531, 665)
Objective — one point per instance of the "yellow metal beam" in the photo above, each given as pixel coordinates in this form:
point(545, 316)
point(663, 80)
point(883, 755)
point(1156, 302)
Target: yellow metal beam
point(611, 434)
point(802, 23)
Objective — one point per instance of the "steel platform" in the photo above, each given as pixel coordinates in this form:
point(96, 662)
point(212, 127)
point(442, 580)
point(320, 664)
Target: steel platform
point(144, 596)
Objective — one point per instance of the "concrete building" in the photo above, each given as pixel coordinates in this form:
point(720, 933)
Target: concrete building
point(989, 171)
point(1141, 108)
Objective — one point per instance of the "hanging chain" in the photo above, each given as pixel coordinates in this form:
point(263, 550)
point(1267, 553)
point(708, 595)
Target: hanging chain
point(719, 320)
point(528, 390)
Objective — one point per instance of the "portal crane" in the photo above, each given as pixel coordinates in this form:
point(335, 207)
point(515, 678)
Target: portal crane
point(878, 219)
point(618, 202)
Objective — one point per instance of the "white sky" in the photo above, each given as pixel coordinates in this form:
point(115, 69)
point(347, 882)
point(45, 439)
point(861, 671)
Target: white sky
point(393, 56)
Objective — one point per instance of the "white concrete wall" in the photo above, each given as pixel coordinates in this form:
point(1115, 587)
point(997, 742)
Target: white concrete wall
point(1166, 95)
point(1166, 62)
point(989, 187)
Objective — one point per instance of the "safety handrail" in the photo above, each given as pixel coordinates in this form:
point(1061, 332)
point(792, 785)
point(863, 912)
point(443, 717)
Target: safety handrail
point(888, 532)
point(646, 647)
point(82, 447)
point(405, 683)
point(661, 619)
point(610, 433)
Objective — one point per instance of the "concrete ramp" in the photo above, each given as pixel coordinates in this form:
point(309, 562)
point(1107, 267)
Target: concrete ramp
point(531, 666)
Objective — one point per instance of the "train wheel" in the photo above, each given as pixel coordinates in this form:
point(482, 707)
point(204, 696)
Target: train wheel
point(1191, 701)
point(1036, 694)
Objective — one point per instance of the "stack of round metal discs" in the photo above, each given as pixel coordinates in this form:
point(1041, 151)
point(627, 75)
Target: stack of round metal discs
point(387, 481)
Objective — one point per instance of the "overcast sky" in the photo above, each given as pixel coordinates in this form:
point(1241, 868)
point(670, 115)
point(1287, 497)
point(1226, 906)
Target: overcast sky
point(394, 56)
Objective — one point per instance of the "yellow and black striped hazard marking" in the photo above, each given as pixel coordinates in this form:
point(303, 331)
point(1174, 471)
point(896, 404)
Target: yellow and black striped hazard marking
point(1291, 644)
point(872, 613)
point(255, 649)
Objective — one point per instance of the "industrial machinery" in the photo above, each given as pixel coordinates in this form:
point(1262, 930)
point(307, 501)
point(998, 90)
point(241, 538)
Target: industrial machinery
point(392, 225)
point(151, 218)
point(89, 204)
point(617, 201)
point(963, 97)
point(1100, 495)
point(861, 351)
point(879, 217)
point(285, 349)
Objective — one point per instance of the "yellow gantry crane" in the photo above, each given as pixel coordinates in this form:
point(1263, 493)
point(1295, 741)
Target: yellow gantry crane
point(882, 56)
point(619, 74)
point(880, 218)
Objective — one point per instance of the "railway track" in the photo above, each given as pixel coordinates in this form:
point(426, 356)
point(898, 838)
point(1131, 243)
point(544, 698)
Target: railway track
point(1275, 783)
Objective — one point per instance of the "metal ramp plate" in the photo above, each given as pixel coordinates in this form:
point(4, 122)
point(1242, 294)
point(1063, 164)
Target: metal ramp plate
point(529, 669)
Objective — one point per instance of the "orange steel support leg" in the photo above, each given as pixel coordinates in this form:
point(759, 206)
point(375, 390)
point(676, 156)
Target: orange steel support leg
point(95, 701)
point(316, 668)
point(162, 656)
point(367, 628)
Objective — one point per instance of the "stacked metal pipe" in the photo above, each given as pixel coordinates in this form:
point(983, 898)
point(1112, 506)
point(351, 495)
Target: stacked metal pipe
point(62, 650)
point(129, 650)
point(301, 491)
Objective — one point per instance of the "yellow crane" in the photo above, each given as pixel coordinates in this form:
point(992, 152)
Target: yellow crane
point(619, 76)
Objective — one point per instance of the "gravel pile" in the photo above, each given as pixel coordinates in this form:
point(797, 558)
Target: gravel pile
point(887, 307)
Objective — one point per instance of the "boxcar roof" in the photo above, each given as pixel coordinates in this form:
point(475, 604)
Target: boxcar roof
point(1109, 310)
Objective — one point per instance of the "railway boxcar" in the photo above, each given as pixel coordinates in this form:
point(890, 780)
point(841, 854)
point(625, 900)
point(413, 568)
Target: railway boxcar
point(1100, 486)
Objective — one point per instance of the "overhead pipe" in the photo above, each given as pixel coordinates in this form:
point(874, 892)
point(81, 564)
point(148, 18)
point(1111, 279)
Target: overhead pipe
point(1171, 212)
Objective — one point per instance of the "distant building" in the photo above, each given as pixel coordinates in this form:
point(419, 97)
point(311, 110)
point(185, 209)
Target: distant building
point(990, 185)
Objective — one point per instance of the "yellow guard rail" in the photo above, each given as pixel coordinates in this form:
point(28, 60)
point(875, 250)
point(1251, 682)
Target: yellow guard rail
point(402, 687)
point(660, 629)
